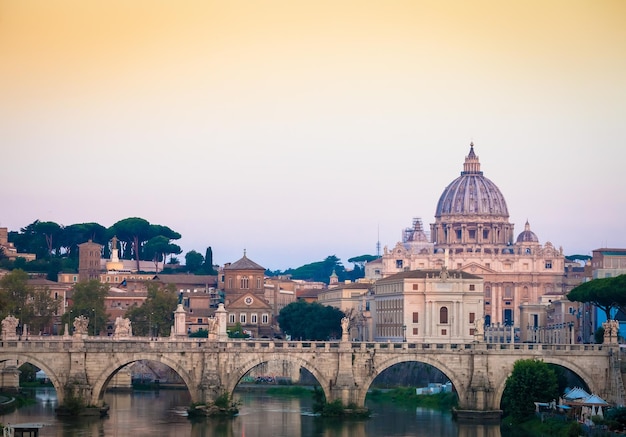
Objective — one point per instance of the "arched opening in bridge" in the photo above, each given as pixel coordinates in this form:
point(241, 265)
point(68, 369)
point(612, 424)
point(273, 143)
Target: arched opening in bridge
point(278, 385)
point(145, 385)
point(517, 390)
point(27, 378)
point(412, 383)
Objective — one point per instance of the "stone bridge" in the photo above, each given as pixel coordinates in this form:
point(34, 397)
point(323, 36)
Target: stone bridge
point(345, 370)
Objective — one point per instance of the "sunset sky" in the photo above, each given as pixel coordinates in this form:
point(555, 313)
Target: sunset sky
point(302, 129)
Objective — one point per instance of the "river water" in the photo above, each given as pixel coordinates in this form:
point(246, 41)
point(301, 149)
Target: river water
point(162, 413)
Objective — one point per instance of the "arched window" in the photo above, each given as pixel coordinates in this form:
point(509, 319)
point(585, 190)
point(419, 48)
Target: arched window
point(244, 282)
point(443, 315)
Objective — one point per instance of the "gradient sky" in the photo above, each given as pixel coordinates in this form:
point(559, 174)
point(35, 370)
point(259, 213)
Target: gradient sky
point(301, 129)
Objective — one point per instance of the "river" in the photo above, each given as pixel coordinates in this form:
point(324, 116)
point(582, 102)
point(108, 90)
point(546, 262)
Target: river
point(162, 413)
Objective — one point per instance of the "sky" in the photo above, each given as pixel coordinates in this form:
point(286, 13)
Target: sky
point(295, 130)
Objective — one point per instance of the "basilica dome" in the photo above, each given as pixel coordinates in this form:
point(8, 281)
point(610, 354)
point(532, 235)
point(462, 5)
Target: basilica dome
point(472, 193)
point(527, 236)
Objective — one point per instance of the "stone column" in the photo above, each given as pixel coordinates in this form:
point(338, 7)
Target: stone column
point(222, 318)
point(344, 387)
point(179, 322)
point(10, 379)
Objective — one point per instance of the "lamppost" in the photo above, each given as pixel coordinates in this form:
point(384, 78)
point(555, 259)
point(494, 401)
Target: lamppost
point(95, 322)
point(404, 333)
point(150, 326)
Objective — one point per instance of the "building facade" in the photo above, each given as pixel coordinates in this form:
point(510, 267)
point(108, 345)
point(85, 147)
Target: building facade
point(472, 234)
point(437, 306)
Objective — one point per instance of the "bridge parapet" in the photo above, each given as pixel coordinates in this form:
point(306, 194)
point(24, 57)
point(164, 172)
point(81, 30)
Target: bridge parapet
point(345, 369)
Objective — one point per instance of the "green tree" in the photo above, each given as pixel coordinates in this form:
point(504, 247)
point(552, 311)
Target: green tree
point(207, 267)
point(51, 232)
point(133, 231)
point(88, 300)
point(319, 271)
point(32, 306)
point(79, 233)
point(157, 248)
point(310, 321)
point(193, 261)
point(606, 293)
point(531, 381)
point(156, 315)
point(237, 332)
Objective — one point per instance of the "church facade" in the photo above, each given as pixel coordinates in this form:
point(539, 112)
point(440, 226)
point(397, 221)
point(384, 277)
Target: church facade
point(472, 233)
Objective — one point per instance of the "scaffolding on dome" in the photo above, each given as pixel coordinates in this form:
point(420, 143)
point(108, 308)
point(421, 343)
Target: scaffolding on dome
point(415, 233)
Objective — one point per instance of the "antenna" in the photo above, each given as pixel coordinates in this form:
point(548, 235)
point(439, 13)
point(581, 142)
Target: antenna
point(378, 242)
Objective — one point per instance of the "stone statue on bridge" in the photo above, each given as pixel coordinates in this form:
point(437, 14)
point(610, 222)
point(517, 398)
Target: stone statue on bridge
point(479, 329)
point(122, 328)
point(214, 325)
point(9, 328)
point(80, 325)
point(611, 331)
point(345, 328)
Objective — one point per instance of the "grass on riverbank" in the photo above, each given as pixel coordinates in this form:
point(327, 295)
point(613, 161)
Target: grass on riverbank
point(535, 427)
point(293, 390)
point(407, 396)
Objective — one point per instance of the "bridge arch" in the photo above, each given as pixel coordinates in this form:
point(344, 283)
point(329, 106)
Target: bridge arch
point(118, 362)
point(387, 363)
point(250, 364)
point(53, 377)
point(500, 382)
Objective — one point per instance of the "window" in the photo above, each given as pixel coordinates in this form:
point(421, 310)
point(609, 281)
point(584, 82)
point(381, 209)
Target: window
point(472, 317)
point(414, 331)
point(487, 291)
point(443, 315)
point(548, 264)
point(253, 319)
point(459, 265)
point(258, 282)
point(415, 287)
point(199, 319)
point(416, 318)
point(472, 287)
point(242, 318)
point(458, 235)
point(265, 319)
point(231, 318)
point(244, 282)
point(488, 265)
point(485, 234)
point(230, 282)
point(398, 263)
point(508, 292)
point(472, 234)
point(377, 272)
point(444, 332)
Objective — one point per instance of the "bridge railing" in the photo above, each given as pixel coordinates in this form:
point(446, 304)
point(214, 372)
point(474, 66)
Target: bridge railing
point(145, 344)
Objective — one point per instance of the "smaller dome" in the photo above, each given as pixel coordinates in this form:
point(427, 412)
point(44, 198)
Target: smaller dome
point(527, 236)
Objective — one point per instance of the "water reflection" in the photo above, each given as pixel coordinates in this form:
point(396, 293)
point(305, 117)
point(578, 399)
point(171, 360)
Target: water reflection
point(163, 413)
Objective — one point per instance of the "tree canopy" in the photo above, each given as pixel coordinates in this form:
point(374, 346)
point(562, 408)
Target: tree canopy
point(531, 381)
point(156, 315)
point(310, 321)
point(138, 240)
point(32, 306)
point(88, 301)
point(320, 271)
point(605, 293)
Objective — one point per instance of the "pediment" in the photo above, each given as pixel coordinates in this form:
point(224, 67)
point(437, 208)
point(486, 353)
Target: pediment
point(476, 269)
point(250, 301)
